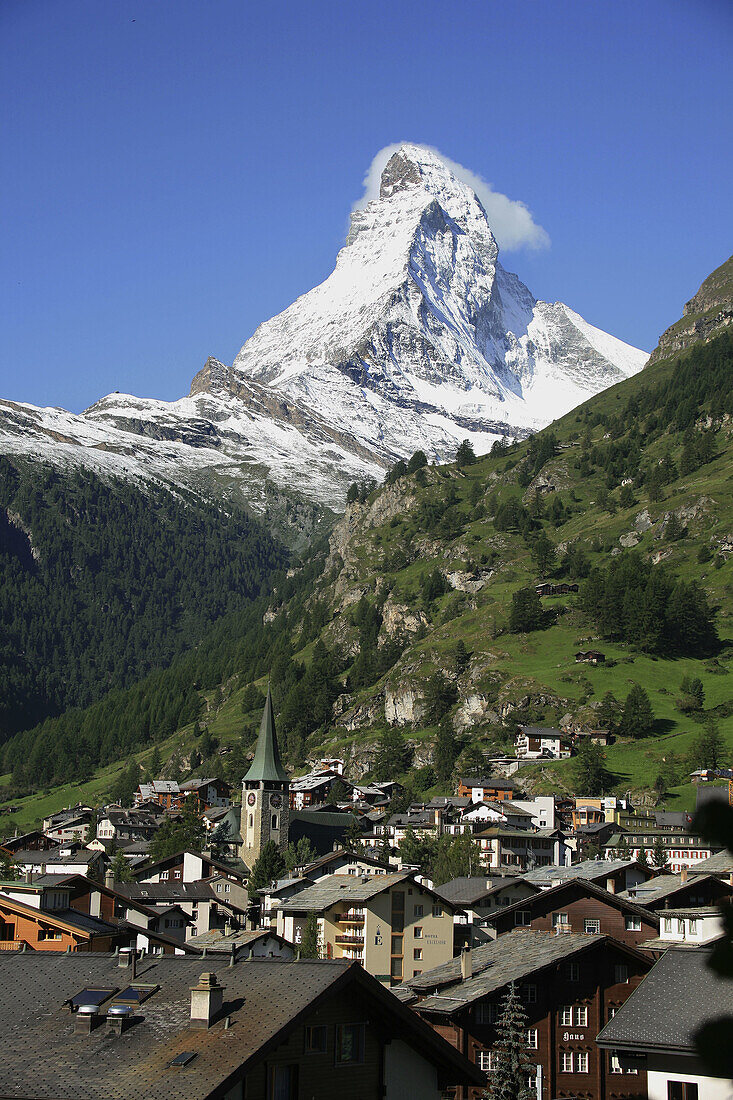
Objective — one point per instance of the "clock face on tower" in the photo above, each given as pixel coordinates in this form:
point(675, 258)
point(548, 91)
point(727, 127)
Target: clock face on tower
point(275, 800)
point(251, 799)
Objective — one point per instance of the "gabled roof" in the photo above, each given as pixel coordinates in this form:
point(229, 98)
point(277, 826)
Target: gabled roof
point(68, 919)
point(266, 999)
point(350, 889)
point(663, 1013)
point(267, 765)
point(514, 957)
point(578, 887)
point(467, 890)
point(591, 869)
point(493, 781)
point(721, 863)
point(665, 886)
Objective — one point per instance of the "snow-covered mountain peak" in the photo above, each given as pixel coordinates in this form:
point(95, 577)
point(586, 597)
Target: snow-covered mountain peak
point(419, 338)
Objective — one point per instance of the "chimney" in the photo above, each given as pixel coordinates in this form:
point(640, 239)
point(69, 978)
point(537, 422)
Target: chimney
point(683, 875)
point(86, 1019)
point(438, 818)
point(128, 957)
point(28, 876)
point(207, 999)
point(611, 884)
point(109, 879)
point(118, 1019)
point(466, 963)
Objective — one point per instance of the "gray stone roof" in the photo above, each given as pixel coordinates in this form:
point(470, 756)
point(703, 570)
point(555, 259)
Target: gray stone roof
point(588, 869)
point(721, 863)
point(678, 995)
point(509, 958)
point(347, 888)
point(656, 889)
point(468, 890)
point(45, 1060)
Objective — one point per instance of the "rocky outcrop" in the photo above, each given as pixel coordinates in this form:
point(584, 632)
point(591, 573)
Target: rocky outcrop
point(469, 582)
point(706, 315)
point(399, 619)
point(403, 704)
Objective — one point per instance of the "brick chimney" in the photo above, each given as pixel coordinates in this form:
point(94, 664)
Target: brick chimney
point(207, 999)
point(611, 884)
point(109, 879)
point(683, 875)
point(466, 963)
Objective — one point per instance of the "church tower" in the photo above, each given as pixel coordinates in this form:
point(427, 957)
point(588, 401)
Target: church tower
point(265, 793)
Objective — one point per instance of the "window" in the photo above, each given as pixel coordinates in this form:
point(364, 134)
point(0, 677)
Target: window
point(566, 1015)
point(418, 912)
point(274, 821)
point(620, 973)
point(667, 924)
point(633, 924)
point(437, 911)
point(522, 917)
point(566, 1062)
point(573, 972)
point(581, 1062)
point(316, 1039)
point(614, 1066)
point(559, 919)
point(417, 932)
point(530, 994)
point(693, 928)
point(486, 1014)
point(592, 927)
point(581, 1016)
point(417, 953)
point(415, 973)
point(487, 1061)
point(49, 934)
point(532, 1038)
point(395, 970)
point(397, 942)
point(283, 1082)
point(398, 911)
point(349, 1044)
point(681, 1090)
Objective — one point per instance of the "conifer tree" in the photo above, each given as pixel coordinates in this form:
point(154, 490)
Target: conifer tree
point(267, 868)
point(660, 859)
point(309, 947)
point(509, 1081)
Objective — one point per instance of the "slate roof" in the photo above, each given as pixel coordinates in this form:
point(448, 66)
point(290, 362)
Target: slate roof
point(153, 893)
point(349, 888)
point(678, 995)
point(215, 939)
point(656, 889)
point(721, 863)
point(509, 958)
point(45, 1060)
point(494, 781)
point(587, 869)
point(571, 886)
point(468, 890)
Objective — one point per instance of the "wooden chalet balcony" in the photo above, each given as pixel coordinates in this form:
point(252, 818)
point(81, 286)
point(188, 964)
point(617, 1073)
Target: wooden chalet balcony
point(353, 940)
point(12, 945)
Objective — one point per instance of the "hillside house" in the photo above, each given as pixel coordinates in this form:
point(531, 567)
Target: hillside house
point(492, 789)
point(541, 743)
point(570, 986)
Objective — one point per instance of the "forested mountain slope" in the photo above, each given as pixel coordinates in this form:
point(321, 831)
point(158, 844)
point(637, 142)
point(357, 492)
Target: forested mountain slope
point(418, 639)
point(104, 580)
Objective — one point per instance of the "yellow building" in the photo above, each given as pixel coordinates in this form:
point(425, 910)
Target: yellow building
point(394, 926)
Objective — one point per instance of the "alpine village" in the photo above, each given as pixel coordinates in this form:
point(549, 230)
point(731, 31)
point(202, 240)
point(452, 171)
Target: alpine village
point(377, 766)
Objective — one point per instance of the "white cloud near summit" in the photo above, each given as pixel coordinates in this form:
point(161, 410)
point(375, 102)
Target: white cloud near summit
point(511, 221)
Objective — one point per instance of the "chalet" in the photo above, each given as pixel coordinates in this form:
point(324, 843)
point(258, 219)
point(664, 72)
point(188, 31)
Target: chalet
point(692, 927)
point(521, 849)
point(719, 864)
point(587, 814)
point(69, 825)
point(28, 927)
point(570, 986)
point(87, 1027)
point(80, 861)
point(315, 787)
point(205, 794)
point(391, 924)
point(590, 657)
point(188, 867)
point(493, 789)
point(654, 1033)
point(35, 841)
point(203, 908)
point(614, 874)
point(163, 792)
point(679, 891)
point(474, 897)
point(540, 743)
point(121, 826)
point(562, 589)
point(577, 906)
point(339, 862)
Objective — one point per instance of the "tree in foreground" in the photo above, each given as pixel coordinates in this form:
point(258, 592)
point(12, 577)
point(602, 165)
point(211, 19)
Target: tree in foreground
point(510, 1079)
point(591, 775)
point(309, 948)
point(267, 868)
point(455, 857)
point(120, 868)
point(660, 858)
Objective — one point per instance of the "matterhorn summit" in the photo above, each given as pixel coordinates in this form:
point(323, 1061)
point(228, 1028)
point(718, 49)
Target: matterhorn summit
point(418, 339)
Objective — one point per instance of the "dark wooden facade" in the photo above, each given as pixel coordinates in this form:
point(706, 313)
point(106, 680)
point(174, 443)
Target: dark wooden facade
point(577, 906)
point(592, 986)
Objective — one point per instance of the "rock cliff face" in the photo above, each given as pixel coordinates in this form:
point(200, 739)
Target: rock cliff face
point(708, 313)
point(418, 339)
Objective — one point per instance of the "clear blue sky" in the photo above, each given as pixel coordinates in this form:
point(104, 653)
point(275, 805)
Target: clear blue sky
point(176, 171)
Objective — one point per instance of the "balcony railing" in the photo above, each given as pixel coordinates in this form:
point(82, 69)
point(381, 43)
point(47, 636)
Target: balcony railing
point(351, 916)
point(12, 945)
point(350, 941)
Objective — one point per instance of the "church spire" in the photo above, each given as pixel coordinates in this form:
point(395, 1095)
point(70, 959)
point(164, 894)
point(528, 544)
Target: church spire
point(267, 765)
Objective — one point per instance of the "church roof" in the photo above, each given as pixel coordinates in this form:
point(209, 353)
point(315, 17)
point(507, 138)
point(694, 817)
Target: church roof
point(267, 765)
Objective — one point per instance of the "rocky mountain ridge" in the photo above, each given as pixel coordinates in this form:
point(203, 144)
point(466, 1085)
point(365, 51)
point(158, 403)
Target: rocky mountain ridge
point(418, 339)
point(708, 313)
